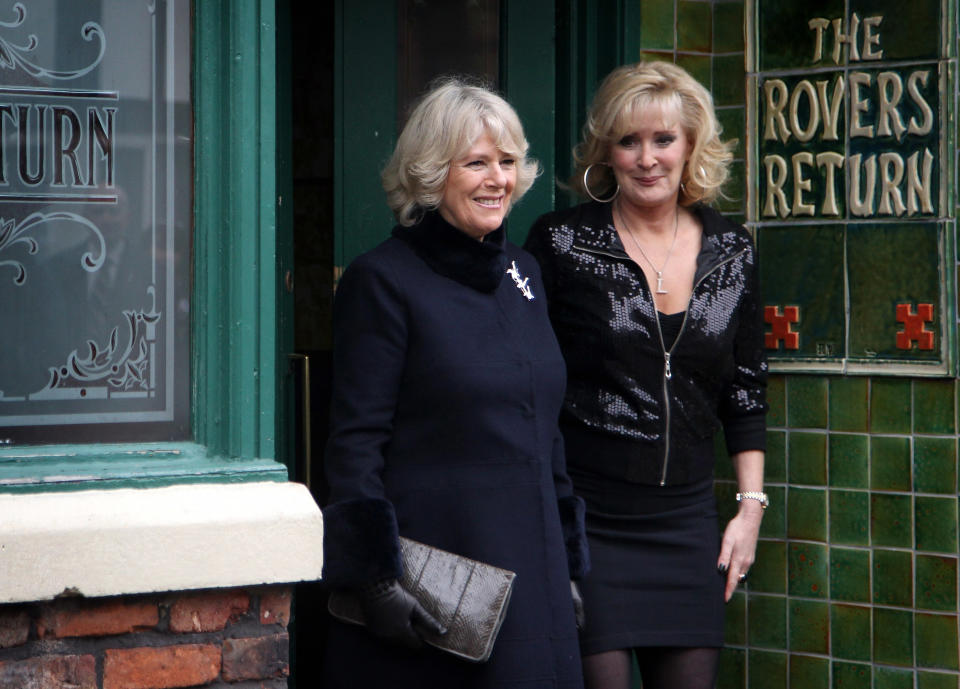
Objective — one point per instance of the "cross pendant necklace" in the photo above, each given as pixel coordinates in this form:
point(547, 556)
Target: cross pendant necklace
point(676, 223)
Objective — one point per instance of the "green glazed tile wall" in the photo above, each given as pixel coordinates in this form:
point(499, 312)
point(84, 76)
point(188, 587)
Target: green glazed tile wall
point(856, 580)
point(861, 589)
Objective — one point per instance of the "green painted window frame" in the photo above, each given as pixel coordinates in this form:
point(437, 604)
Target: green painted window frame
point(237, 337)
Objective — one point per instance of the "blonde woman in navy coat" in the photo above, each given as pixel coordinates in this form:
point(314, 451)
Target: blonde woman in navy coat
point(448, 383)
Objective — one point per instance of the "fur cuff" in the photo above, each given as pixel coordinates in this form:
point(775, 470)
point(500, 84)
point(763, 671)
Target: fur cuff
point(572, 520)
point(361, 543)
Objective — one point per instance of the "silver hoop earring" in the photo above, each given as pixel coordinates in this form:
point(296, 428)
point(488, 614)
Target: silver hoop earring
point(683, 186)
point(586, 186)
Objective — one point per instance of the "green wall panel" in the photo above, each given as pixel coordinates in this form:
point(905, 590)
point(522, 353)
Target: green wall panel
point(887, 514)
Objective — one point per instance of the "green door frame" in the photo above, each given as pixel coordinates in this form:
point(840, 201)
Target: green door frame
point(240, 311)
point(593, 38)
point(528, 78)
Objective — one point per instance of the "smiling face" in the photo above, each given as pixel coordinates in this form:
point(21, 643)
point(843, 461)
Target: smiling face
point(479, 187)
point(648, 160)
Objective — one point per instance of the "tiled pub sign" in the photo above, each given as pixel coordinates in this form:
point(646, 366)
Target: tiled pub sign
point(851, 172)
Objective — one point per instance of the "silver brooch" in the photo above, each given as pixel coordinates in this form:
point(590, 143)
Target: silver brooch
point(521, 282)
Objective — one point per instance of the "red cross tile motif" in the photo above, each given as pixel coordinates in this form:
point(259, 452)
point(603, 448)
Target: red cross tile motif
point(780, 327)
point(913, 330)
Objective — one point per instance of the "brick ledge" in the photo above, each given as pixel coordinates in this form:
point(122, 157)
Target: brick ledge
point(113, 542)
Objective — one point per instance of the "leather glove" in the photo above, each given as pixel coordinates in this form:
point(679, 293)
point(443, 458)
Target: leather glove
point(577, 605)
point(395, 615)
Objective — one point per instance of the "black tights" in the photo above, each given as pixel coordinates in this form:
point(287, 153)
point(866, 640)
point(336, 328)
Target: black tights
point(660, 668)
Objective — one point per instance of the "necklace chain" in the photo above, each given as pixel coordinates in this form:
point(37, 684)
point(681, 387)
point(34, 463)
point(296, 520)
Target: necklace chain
point(676, 225)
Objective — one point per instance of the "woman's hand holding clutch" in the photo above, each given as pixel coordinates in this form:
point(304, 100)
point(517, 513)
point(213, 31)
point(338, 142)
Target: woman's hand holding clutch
point(395, 615)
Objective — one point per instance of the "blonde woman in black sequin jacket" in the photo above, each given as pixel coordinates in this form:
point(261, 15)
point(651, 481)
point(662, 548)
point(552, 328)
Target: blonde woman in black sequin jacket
point(654, 299)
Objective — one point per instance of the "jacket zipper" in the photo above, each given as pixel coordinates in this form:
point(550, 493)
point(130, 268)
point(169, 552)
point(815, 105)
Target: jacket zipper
point(667, 371)
point(667, 375)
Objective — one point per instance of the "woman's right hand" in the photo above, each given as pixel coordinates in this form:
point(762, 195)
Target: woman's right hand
point(395, 615)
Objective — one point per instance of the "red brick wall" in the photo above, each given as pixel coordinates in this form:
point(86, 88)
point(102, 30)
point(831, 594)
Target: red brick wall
point(220, 638)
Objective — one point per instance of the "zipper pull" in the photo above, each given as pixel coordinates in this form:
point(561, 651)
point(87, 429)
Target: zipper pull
point(667, 373)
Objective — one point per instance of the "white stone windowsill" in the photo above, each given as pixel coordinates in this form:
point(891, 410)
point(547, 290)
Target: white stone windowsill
point(125, 541)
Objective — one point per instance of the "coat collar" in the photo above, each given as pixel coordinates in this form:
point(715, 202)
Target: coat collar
point(453, 254)
point(596, 232)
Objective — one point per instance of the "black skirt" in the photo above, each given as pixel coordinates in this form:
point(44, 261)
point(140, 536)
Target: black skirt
point(654, 579)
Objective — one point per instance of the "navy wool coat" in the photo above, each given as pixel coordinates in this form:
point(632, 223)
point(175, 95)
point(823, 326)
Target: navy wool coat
point(448, 382)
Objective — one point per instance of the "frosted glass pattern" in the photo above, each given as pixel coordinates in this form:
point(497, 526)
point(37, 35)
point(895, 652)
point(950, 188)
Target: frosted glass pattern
point(95, 215)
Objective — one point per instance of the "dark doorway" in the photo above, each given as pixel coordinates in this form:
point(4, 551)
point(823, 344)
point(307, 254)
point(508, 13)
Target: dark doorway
point(310, 26)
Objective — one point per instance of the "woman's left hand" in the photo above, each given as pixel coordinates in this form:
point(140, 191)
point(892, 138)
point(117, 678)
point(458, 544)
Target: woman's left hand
point(578, 614)
point(739, 545)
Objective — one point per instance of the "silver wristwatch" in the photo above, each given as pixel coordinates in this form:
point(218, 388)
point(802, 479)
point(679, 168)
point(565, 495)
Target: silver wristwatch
point(755, 495)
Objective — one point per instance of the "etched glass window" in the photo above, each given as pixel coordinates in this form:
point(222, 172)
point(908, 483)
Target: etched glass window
point(95, 220)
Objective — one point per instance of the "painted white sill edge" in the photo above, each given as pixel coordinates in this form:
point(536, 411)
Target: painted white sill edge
point(124, 541)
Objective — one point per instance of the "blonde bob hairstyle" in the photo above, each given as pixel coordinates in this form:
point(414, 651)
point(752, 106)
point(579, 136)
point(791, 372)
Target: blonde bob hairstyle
point(628, 91)
point(442, 127)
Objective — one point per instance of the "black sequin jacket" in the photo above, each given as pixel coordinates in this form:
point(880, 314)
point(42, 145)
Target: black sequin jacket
point(633, 409)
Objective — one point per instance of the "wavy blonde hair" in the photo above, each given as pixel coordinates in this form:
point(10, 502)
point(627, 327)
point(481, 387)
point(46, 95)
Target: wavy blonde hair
point(631, 89)
point(442, 127)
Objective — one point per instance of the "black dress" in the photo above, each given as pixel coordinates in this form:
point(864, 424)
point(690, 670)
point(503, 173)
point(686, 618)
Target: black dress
point(448, 382)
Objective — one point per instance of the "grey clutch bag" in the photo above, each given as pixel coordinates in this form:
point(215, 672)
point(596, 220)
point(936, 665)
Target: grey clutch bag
point(467, 597)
